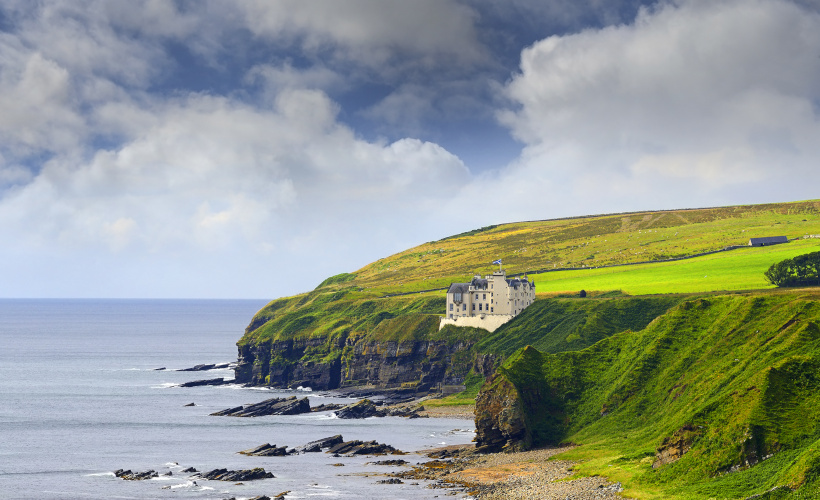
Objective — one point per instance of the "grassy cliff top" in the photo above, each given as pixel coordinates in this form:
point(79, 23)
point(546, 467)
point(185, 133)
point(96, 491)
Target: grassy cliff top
point(355, 303)
point(583, 242)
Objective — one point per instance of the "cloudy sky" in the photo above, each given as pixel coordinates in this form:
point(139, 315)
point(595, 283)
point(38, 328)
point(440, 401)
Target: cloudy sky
point(252, 148)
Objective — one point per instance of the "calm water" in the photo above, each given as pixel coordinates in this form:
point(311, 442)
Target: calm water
point(80, 398)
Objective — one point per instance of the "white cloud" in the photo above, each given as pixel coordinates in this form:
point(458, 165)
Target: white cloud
point(370, 32)
point(210, 173)
point(693, 102)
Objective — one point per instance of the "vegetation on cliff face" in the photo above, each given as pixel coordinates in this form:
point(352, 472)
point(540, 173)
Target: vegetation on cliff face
point(718, 398)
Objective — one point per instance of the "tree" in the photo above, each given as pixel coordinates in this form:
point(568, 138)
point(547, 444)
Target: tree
point(802, 270)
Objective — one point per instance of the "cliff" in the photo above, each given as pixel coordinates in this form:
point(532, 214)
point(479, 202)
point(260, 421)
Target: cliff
point(719, 397)
point(329, 339)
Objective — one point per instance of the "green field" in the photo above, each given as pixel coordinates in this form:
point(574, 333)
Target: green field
point(740, 269)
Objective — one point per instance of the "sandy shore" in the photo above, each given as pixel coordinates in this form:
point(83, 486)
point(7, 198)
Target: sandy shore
point(511, 476)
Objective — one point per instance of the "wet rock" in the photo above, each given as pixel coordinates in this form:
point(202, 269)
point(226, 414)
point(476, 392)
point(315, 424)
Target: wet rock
point(389, 462)
point(390, 481)
point(327, 407)
point(320, 444)
point(135, 476)
point(206, 367)
point(191, 404)
point(361, 409)
point(357, 447)
point(236, 475)
point(266, 450)
point(273, 406)
point(189, 470)
point(159, 369)
point(210, 381)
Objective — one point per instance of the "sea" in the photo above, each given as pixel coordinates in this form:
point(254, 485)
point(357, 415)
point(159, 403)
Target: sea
point(81, 396)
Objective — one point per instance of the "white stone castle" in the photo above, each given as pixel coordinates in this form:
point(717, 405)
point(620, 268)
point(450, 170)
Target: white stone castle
point(487, 302)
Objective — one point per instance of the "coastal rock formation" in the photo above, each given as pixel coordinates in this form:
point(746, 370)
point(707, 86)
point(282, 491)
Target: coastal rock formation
point(363, 448)
point(366, 408)
point(361, 409)
point(210, 381)
point(499, 417)
point(320, 444)
point(269, 450)
point(266, 450)
point(422, 364)
point(236, 475)
point(273, 406)
point(206, 367)
point(135, 476)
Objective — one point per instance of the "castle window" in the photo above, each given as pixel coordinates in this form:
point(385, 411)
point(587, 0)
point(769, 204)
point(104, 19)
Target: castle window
point(484, 296)
point(451, 307)
point(491, 309)
point(473, 307)
point(463, 307)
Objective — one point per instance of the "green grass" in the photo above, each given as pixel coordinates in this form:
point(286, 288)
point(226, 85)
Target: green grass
point(740, 269)
point(741, 372)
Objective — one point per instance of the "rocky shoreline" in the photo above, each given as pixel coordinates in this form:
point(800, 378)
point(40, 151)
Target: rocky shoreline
point(510, 476)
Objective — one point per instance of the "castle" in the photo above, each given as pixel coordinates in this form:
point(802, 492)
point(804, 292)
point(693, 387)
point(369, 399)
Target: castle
point(487, 302)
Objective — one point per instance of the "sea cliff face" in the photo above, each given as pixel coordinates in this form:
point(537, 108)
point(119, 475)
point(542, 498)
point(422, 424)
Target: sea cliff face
point(421, 364)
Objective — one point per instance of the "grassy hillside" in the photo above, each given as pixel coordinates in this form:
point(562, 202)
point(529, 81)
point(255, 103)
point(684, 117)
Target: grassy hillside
point(733, 378)
point(586, 242)
point(740, 269)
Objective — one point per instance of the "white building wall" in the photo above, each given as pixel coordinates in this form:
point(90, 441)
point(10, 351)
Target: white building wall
point(490, 322)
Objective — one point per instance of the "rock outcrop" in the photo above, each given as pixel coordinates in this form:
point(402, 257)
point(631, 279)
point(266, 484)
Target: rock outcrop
point(235, 475)
point(363, 448)
point(206, 367)
point(135, 476)
point(210, 381)
point(273, 406)
point(499, 417)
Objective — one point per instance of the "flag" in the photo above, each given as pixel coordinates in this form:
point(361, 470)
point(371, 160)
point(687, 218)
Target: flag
point(497, 262)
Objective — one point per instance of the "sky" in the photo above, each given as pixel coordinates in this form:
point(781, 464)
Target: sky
point(250, 149)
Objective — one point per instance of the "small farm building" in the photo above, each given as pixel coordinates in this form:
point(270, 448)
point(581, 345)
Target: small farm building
point(769, 240)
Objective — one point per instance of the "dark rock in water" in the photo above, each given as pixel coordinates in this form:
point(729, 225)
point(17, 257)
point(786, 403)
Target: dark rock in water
point(266, 450)
point(389, 462)
point(206, 367)
point(404, 411)
point(281, 496)
point(190, 469)
point(367, 408)
point(361, 409)
point(191, 404)
point(327, 407)
point(319, 445)
point(159, 369)
point(363, 448)
point(198, 368)
point(135, 476)
point(237, 475)
point(273, 406)
point(390, 481)
point(210, 381)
